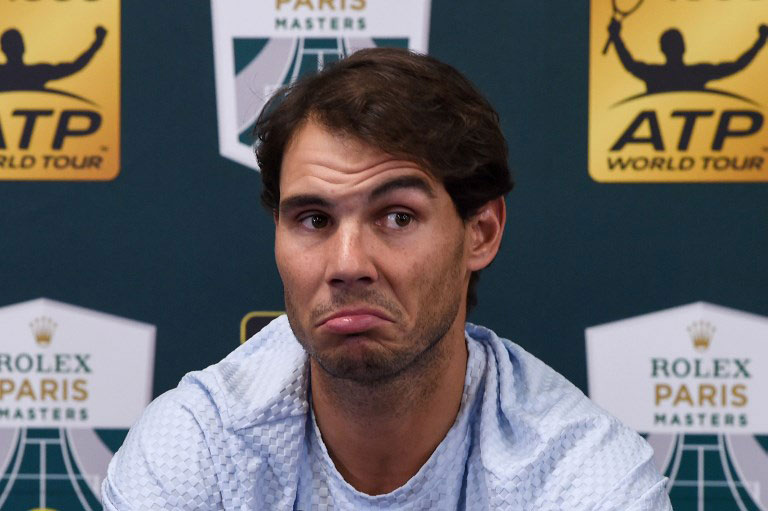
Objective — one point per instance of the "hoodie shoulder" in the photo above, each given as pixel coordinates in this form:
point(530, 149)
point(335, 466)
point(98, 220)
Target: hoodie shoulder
point(541, 434)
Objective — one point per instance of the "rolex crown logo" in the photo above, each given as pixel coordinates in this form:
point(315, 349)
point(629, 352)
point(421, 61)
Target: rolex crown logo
point(43, 329)
point(701, 333)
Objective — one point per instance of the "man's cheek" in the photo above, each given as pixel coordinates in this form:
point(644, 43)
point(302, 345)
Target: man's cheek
point(293, 271)
point(420, 280)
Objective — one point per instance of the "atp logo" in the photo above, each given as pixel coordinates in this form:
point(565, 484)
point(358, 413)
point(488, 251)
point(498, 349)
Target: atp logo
point(60, 91)
point(261, 46)
point(675, 92)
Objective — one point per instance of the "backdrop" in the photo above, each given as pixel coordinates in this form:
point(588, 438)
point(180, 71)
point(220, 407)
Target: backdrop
point(178, 240)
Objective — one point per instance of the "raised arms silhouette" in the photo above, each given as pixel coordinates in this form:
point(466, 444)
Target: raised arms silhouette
point(16, 75)
point(674, 74)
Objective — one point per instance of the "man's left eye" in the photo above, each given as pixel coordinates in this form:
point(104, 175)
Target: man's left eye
point(398, 219)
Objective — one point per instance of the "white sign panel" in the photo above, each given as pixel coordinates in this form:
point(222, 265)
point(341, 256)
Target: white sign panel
point(260, 46)
point(65, 366)
point(698, 368)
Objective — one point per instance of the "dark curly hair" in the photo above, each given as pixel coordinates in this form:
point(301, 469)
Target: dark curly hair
point(408, 105)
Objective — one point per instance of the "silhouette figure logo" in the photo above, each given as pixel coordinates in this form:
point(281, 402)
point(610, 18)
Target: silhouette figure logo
point(16, 75)
point(674, 74)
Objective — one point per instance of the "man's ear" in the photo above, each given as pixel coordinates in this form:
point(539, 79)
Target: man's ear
point(484, 231)
point(275, 216)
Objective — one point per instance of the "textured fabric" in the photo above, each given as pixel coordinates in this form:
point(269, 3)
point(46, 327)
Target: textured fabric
point(240, 435)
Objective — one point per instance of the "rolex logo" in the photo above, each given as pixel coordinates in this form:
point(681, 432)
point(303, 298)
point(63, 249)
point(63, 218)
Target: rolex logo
point(43, 329)
point(701, 333)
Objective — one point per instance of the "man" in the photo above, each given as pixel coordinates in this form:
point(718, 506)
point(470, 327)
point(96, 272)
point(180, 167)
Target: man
point(386, 176)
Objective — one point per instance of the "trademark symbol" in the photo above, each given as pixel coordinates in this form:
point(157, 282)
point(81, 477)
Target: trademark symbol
point(105, 148)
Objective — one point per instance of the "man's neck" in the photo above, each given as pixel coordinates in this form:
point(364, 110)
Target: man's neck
point(380, 436)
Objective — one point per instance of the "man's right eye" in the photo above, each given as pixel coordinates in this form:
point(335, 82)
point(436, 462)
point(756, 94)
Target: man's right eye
point(315, 221)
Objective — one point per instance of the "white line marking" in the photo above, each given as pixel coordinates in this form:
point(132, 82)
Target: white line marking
point(19, 454)
point(676, 463)
point(297, 61)
point(754, 485)
point(4, 464)
point(728, 476)
point(36, 477)
point(71, 472)
point(700, 477)
point(711, 484)
point(43, 462)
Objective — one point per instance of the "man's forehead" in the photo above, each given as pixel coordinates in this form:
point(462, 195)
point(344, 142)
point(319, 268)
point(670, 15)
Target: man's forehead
point(317, 159)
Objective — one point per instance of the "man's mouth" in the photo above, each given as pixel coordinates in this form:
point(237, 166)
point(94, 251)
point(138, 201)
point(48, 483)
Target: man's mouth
point(353, 321)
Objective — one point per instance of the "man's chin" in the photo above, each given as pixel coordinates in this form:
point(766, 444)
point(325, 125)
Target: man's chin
point(360, 361)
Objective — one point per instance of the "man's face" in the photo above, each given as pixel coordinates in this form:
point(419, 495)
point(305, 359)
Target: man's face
point(372, 256)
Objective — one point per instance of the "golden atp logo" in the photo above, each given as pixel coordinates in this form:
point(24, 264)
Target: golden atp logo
point(43, 329)
point(677, 90)
point(60, 90)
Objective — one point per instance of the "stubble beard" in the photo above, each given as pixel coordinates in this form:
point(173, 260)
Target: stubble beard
point(410, 368)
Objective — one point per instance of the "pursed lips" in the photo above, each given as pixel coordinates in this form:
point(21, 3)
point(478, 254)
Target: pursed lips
point(353, 321)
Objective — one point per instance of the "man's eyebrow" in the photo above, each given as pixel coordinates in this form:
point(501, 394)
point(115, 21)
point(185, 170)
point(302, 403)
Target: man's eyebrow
point(403, 182)
point(303, 201)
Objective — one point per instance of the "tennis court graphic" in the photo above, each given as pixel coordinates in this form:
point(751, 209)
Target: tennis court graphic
point(276, 47)
point(52, 469)
point(705, 475)
point(274, 63)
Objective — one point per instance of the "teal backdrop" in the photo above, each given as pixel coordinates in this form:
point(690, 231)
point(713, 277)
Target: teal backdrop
point(179, 238)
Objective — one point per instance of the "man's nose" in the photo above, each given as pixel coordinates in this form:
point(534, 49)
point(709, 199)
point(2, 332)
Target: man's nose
point(350, 260)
